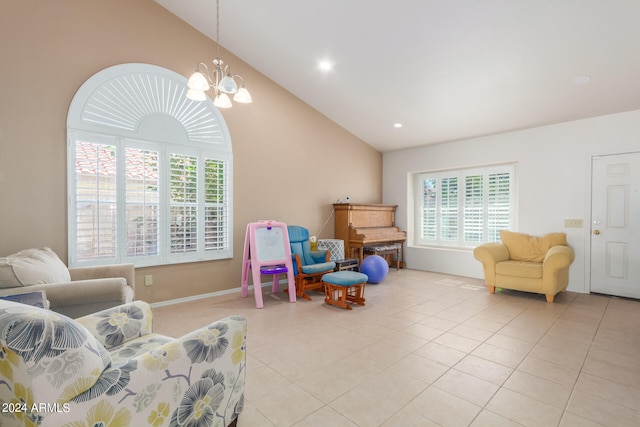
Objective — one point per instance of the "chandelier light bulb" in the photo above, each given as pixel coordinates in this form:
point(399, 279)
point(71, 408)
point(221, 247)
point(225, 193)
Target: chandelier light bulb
point(228, 85)
point(242, 96)
point(222, 101)
point(196, 95)
point(198, 81)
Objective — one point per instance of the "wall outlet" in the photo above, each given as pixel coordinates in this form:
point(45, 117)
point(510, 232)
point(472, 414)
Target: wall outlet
point(148, 280)
point(573, 223)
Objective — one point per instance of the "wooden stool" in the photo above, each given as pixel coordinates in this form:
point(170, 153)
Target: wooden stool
point(342, 287)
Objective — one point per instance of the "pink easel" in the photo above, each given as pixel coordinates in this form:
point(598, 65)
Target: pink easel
point(267, 251)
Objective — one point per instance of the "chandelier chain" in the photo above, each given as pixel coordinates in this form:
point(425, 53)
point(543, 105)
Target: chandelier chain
point(218, 28)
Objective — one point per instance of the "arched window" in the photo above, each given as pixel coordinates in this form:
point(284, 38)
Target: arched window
point(149, 171)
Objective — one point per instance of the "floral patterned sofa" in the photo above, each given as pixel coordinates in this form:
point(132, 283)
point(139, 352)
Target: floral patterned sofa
point(108, 368)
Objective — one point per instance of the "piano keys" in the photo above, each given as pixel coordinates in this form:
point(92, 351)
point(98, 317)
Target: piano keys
point(362, 225)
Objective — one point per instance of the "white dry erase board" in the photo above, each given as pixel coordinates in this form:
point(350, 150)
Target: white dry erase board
point(270, 244)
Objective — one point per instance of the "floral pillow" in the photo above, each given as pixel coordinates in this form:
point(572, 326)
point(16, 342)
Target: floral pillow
point(62, 358)
point(117, 325)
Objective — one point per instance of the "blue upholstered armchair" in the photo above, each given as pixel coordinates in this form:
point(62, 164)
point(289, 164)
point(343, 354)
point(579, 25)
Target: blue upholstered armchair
point(308, 265)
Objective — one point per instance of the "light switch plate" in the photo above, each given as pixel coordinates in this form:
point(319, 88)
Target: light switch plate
point(573, 223)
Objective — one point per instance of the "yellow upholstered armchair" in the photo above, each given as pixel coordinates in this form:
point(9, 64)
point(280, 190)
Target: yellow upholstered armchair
point(527, 263)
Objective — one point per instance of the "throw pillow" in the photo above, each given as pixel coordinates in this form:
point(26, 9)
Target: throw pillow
point(555, 239)
point(32, 267)
point(62, 358)
point(523, 247)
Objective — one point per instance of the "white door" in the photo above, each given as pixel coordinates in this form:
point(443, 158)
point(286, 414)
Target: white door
point(615, 225)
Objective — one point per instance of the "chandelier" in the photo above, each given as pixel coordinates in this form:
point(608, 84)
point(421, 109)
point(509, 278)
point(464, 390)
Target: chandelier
point(219, 79)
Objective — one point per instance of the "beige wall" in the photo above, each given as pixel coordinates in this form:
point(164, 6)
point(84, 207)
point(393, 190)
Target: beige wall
point(290, 162)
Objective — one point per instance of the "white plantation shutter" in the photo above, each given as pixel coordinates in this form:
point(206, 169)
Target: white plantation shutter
point(473, 208)
point(149, 171)
point(429, 210)
point(464, 207)
point(142, 196)
point(96, 213)
point(449, 209)
point(499, 205)
point(183, 203)
point(216, 205)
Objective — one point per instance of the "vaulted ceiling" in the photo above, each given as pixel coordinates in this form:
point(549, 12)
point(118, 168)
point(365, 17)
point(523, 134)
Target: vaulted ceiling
point(443, 69)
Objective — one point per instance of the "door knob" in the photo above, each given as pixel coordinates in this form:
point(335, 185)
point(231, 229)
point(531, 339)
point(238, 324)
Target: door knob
point(596, 232)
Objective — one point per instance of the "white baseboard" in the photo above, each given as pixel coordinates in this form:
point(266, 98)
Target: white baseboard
point(208, 295)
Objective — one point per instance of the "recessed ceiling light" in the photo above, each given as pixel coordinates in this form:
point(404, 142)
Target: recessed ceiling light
point(580, 80)
point(325, 65)
point(397, 125)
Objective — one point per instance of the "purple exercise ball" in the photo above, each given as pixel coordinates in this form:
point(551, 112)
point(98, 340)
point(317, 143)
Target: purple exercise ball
point(375, 267)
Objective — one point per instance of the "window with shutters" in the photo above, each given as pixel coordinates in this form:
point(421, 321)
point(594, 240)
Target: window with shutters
point(465, 207)
point(149, 172)
point(170, 206)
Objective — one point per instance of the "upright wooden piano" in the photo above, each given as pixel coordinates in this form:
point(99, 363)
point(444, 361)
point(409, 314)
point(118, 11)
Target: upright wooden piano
point(361, 225)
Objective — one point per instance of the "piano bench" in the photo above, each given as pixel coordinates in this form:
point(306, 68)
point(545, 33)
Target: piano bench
point(382, 250)
point(342, 287)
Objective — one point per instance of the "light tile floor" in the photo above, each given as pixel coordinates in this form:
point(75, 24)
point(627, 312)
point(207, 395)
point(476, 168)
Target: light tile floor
point(433, 350)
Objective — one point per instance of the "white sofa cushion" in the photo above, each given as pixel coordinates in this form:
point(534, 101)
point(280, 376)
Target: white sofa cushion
point(32, 267)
